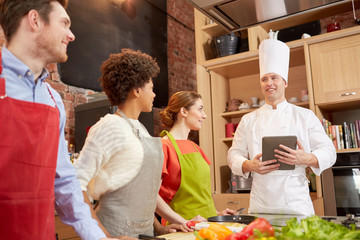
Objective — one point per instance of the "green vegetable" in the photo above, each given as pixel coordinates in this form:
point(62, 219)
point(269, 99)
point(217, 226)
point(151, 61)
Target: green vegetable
point(315, 228)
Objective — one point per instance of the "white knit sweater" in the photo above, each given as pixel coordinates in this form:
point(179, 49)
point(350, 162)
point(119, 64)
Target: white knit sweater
point(111, 157)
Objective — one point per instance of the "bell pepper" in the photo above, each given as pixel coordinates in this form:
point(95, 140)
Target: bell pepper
point(268, 238)
point(215, 231)
point(235, 236)
point(263, 228)
point(206, 234)
point(220, 230)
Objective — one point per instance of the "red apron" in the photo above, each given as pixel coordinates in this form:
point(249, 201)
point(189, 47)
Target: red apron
point(29, 138)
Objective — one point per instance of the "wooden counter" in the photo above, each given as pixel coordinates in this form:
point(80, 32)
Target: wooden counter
point(64, 232)
point(179, 236)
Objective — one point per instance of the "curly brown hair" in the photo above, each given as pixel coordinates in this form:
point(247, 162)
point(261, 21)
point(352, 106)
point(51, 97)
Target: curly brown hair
point(12, 11)
point(182, 99)
point(125, 71)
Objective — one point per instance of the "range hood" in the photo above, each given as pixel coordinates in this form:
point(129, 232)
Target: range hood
point(235, 15)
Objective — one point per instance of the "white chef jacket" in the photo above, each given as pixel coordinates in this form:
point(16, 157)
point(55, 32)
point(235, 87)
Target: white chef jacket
point(280, 191)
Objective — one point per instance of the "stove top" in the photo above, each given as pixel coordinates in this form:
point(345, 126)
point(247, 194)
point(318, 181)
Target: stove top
point(345, 220)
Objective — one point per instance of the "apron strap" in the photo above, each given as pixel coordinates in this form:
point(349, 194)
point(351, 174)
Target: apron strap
point(1, 68)
point(122, 114)
point(173, 141)
point(194, 146)
point(51, 94)
point(2, 82)
point(2, 88)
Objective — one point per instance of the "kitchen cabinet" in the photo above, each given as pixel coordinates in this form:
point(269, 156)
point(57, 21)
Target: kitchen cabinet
point(237, 76)
point(334, 62)
point(232, 201)
point(336, 79)
point(335, 70)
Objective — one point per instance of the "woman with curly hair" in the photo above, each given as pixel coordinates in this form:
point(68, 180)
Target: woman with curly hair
point(120, 163)
point(186, 185)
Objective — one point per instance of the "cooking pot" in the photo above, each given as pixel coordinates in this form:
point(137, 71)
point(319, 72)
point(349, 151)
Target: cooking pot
point(238, 184)
point(246, 219)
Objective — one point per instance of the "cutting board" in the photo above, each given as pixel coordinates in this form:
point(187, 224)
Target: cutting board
point(235, 227)
point(179, 236)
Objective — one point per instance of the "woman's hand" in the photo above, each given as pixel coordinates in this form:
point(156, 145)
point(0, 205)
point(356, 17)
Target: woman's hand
point(174, 228)
point(198, 218)
point(227, 211)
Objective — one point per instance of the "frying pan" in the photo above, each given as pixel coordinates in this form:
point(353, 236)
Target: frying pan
point(245, 219)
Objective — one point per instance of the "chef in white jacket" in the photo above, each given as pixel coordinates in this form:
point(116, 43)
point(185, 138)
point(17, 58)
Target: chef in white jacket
point(279, 191)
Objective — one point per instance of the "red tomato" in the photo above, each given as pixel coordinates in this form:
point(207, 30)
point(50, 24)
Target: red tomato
point(191, 224)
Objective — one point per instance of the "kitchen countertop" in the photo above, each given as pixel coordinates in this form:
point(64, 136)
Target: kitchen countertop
point(277, 220)
point(274, 219)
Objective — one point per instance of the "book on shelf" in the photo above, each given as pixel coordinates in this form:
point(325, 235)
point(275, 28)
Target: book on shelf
point(333, 135)
point(346, 136)
point(327, 128)
point(343, 136)
point(353, 136)
point(357, 129)
point(337, 137)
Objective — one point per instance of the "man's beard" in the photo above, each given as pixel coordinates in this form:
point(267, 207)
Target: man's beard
point(46, 50)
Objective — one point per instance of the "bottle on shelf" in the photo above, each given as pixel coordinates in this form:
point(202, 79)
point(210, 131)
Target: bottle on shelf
point(72, 152)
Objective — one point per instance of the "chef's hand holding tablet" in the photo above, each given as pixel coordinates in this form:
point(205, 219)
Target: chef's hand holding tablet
point(261, 167)
point(296, 157)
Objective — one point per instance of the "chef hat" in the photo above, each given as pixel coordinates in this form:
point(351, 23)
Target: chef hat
point(274, 57)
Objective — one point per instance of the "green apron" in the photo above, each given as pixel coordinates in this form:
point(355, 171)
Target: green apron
point(194, 194)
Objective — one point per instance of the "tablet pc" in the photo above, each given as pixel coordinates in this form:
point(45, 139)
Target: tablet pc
point(269, 144)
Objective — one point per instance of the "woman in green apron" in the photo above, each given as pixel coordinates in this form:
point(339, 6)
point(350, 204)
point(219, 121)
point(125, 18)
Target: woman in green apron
point(186, 182)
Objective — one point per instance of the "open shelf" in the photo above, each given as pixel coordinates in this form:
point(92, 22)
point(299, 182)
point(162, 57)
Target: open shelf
point(235, 114)
point(350, 150)
point(236, 65)
point(340, 106)
point(227, 139)
point(247, 63)
point(213, 29)
point(242, 112)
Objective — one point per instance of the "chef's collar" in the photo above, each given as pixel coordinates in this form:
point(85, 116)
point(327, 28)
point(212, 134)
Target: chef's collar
point(280, 106)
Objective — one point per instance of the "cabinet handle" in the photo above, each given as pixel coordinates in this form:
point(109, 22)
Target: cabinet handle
point(347, 94)
point(234, 202)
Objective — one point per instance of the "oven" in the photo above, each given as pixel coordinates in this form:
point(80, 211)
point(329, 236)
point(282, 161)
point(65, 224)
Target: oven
point(341, 186)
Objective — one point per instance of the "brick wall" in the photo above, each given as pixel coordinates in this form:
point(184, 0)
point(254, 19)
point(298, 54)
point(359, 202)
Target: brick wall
point(181, 53)
point(345, 20)
point(72, 96)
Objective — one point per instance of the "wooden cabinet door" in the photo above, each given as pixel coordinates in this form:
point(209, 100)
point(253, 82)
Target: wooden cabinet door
point(335, 70)
point(232, 201)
